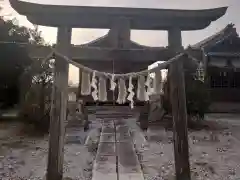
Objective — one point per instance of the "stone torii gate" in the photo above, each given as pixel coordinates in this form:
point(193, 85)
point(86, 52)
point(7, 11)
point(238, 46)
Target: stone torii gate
point(67, 17)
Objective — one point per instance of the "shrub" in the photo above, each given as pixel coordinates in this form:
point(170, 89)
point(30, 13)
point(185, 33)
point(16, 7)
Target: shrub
point(197, 97)
point(32, 113)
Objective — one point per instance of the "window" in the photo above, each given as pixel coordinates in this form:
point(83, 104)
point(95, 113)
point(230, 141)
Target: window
point(225, 79)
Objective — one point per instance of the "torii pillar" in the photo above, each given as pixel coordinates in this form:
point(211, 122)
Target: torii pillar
point(59, 107)
point(179, 111)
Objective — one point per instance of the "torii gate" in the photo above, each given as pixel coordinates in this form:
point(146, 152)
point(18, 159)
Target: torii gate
point(68, 17)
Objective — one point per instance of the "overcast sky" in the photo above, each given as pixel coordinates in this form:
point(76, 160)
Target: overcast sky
point(151, 38)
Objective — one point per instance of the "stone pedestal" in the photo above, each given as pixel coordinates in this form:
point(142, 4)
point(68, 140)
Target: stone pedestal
point(143, 117)
point(156, 110)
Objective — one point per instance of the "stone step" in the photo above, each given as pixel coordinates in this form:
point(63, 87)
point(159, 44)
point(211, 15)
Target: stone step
point(74, 124)
point(113, 116)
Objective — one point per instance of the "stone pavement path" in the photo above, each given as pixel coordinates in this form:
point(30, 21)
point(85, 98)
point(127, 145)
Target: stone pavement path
point(116, 157)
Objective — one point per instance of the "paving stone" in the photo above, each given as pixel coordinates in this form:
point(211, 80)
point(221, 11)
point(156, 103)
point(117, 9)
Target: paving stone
point(107, 148)
point(107, 137)
point(127, 158)
point(123, 137)
point(104, 176)
point(74, 140)
point(109, 130)
point(104, 168)
point(131, 176)
point(120, 154)
point(105, 164)
point(108, 123)
point(122, 129)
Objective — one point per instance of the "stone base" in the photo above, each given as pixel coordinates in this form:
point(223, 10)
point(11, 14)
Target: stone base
point(155, 111)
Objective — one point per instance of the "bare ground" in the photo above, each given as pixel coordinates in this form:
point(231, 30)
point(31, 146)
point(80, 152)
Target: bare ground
point(213, 154)
point(25, 158)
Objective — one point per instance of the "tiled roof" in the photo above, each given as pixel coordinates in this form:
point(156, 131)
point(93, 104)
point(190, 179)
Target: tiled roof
point(93, 42)
point(146, 47)
point(100, 40)
point(227, 32)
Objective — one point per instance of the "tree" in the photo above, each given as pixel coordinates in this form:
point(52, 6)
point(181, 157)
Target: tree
point(13, 60)
point(37, 100)
point(41, 75)
point(21, 76)
point(37, 96)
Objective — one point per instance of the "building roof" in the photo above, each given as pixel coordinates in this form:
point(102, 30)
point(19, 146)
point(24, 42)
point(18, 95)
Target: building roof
point(225, 33)
point(104, 40)
point(225, 54)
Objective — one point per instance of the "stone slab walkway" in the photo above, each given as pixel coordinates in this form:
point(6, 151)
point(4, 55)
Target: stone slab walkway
point(116, 157)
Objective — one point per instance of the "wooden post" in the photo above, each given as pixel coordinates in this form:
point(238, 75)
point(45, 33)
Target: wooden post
point(179, 110)
point(59, 107)
point(79, 84)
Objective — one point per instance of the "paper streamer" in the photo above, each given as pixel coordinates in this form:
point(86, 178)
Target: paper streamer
point(148, 85)
point(94, 85)
point(141, 91)
point(131, 92)
point(112, 82)
point(122, 91)
point(85, 83)
point(157, 82)
point(102, 94)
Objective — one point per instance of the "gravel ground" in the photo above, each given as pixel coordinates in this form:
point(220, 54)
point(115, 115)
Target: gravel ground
point(214, 155)
point(25, 158)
